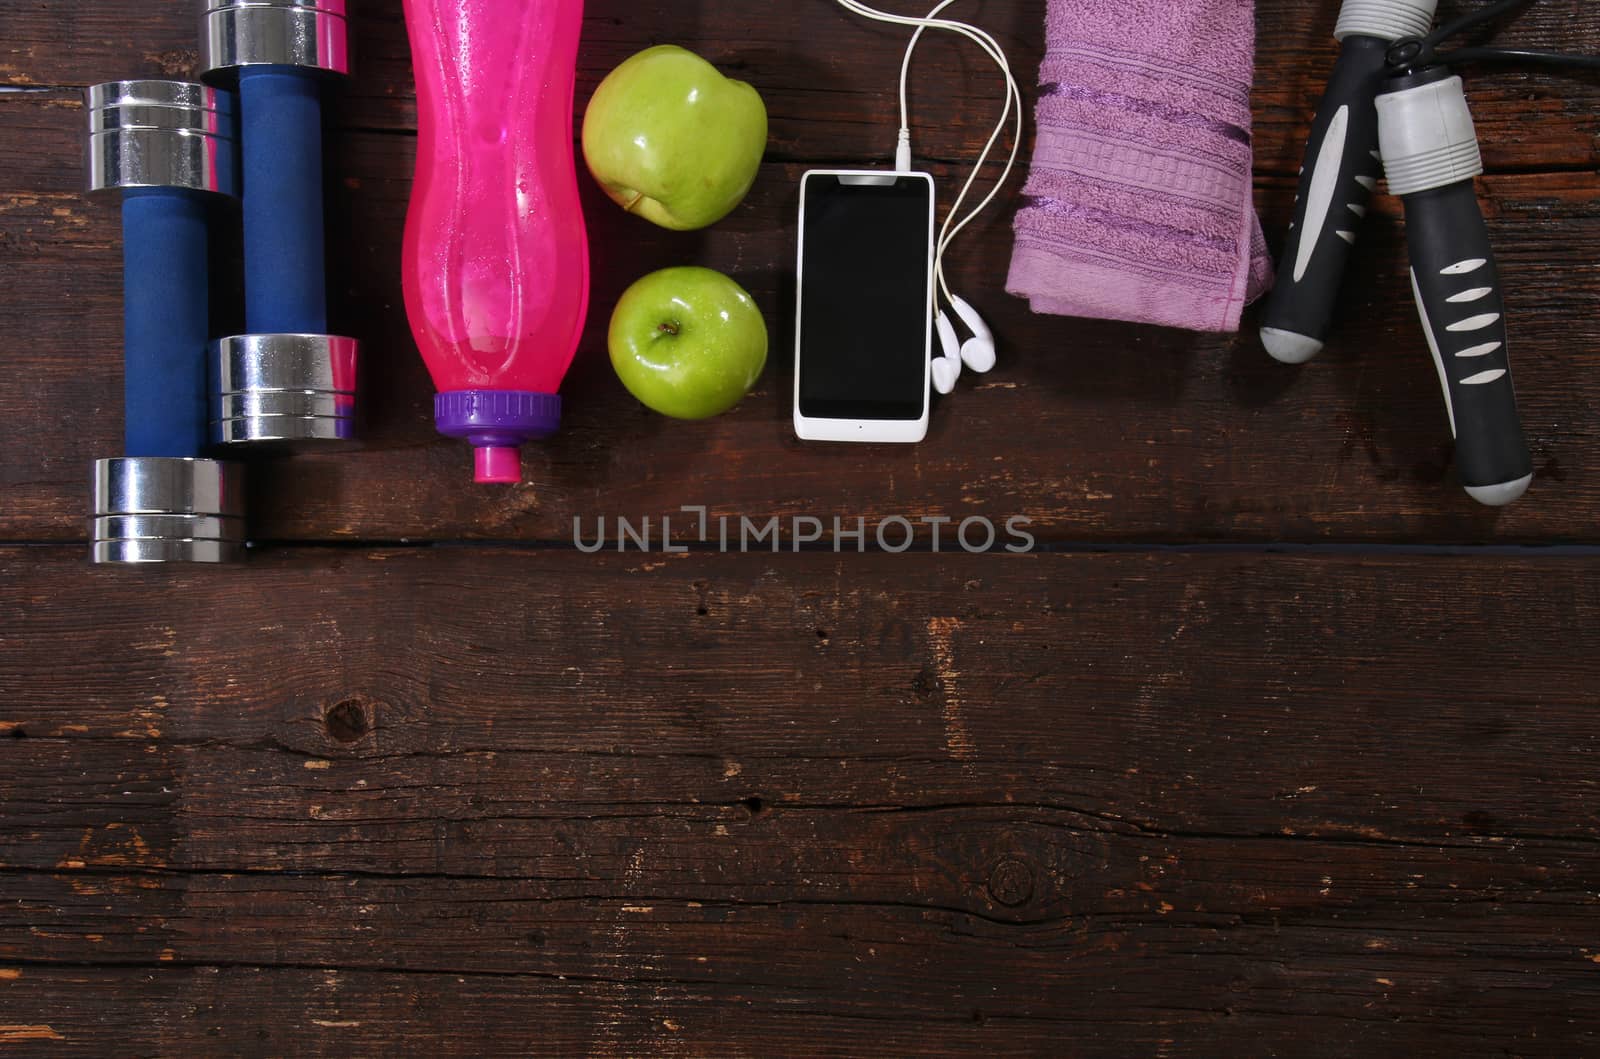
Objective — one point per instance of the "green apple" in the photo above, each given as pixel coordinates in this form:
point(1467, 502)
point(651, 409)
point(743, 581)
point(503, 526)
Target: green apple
point(672, 140)
point(688, 342)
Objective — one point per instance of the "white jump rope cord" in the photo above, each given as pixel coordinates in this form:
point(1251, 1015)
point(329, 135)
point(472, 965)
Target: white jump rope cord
point(984, 40)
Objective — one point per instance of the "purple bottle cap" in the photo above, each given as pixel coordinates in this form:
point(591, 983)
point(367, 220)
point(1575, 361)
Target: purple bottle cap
point(497, 423)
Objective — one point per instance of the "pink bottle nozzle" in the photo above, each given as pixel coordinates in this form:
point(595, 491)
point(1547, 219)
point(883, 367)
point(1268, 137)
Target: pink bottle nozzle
point(498, 465)
point(497, 423)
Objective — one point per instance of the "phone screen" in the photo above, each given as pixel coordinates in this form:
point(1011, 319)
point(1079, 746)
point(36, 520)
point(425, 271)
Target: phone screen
point(865, 298)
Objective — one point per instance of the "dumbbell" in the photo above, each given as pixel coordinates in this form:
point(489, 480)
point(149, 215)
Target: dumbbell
point(167, 148)
point(287, 379)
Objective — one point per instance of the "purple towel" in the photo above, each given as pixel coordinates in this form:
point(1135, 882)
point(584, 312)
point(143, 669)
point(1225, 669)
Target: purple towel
point(1139, 202)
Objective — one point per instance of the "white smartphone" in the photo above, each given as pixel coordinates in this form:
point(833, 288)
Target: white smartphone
point(864, 306)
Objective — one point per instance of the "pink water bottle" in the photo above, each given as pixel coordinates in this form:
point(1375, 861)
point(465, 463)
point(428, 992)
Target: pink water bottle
point(496, 263)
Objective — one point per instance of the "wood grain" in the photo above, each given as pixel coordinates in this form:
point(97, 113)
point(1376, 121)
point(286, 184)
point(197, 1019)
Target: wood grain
point(1063, 668)
point(254, 1012)
point(962, 801)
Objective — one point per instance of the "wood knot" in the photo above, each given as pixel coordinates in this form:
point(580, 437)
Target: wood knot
point(348, 720)
point(1011, 883)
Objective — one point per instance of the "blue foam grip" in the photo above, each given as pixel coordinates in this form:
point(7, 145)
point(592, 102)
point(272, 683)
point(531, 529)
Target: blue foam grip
point(166, 307)
point(280, 121)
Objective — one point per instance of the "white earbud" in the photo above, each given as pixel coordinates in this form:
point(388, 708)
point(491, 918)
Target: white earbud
point(947, 369)
point(978, 351)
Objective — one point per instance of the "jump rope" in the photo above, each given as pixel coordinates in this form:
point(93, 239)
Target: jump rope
point(1394, 107)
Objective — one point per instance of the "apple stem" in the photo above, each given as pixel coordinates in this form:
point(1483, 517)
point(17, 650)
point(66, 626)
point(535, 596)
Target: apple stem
point(669, 329)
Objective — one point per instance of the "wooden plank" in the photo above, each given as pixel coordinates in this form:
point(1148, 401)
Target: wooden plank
point(829, 78)
point(650, 914)
point(1470, 977)
point(1094, 430)
point(254, 1012)
point(1154, 650)
point(1067, 673)
point(1065, 668)
point(961, 802)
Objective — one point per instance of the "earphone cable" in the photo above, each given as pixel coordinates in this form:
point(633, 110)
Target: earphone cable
point(984, 40)
point(951, 229)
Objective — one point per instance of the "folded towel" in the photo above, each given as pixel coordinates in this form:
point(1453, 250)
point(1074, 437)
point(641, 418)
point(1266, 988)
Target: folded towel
point(1139, 202)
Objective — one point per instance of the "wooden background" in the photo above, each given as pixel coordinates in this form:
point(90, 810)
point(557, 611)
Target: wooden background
point(1278, 746)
